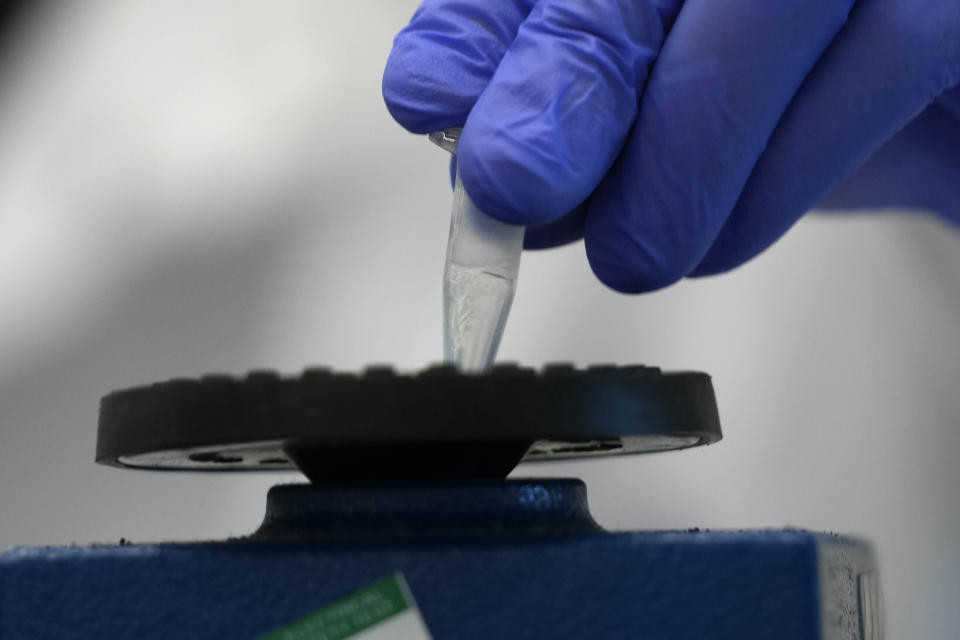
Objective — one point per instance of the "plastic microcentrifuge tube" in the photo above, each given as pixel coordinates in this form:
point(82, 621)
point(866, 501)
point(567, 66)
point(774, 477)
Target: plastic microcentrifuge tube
point(479, 277)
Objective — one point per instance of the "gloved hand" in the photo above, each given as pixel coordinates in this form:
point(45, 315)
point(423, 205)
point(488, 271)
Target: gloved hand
point(683, 138)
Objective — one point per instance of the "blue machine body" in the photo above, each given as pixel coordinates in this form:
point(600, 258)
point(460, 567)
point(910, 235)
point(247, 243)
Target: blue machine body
point(514, 559)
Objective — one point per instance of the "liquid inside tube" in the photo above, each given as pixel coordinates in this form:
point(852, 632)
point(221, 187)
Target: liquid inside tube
point(477, 303)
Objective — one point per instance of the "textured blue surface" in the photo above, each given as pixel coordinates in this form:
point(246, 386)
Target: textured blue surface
point(661, 585)
point(580, 585)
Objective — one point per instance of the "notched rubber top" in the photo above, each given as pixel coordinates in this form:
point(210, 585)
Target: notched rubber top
point(380, 425)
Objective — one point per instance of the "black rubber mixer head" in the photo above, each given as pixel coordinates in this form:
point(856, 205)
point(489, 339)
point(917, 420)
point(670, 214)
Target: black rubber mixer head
point(383, 426)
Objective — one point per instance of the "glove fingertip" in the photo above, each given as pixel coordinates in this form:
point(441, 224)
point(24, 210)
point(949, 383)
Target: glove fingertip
point(629, 280)
point(630, 264)
point(714, 267)
point(415, 97)
point(563, 231)
point(507, 180)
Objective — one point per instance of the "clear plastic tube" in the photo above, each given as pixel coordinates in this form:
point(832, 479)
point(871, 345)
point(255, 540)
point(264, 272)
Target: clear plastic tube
point(479, 278)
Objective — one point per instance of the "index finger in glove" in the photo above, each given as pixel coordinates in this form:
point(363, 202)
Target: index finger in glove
point(443, 60)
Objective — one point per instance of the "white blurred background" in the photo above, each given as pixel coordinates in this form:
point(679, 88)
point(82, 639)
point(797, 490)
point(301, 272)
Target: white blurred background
point(215, 186)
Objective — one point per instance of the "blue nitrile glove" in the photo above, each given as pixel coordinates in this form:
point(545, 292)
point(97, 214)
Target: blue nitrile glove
point(683, 138)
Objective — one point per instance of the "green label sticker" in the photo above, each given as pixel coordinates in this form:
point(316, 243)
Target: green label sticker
point(384, 609)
